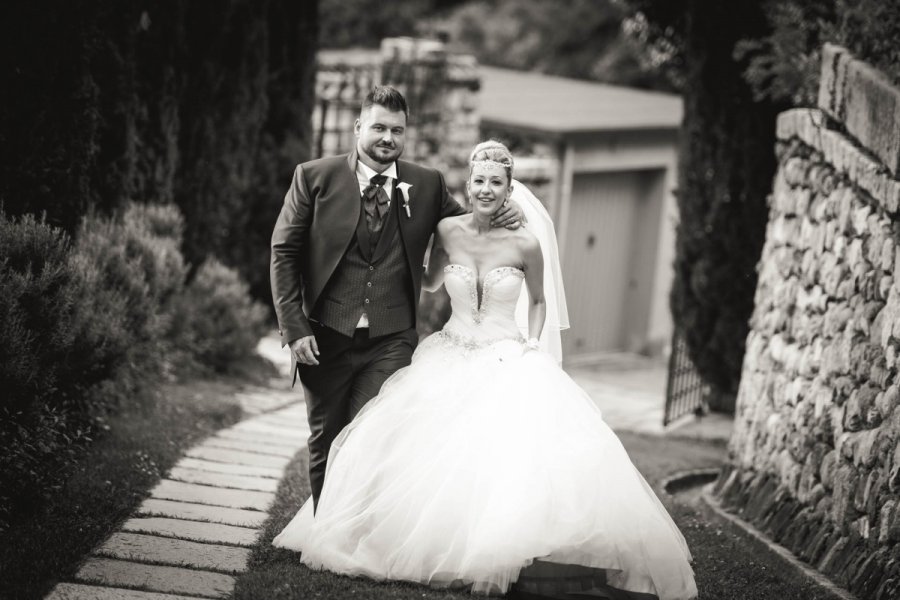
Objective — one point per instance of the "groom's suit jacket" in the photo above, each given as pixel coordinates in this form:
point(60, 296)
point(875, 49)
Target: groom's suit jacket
point(321, 222)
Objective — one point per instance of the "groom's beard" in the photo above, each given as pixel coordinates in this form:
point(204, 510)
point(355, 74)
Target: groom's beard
point(383, 154)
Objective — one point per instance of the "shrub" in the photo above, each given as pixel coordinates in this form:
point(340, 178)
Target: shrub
point(225, 323)
point(39, 334)
point(83, 326)
point(136, 273)
point(39, 295)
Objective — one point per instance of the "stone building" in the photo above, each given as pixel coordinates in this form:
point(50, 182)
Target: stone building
point(814, 457)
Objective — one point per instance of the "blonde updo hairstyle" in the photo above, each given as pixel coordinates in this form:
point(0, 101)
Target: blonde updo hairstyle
point(494, 151)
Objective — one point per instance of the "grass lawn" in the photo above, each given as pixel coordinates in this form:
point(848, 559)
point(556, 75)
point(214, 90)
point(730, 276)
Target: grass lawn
point(110, 480)
point(727, 563)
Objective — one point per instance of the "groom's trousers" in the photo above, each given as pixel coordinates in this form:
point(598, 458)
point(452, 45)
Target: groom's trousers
point(350, 372)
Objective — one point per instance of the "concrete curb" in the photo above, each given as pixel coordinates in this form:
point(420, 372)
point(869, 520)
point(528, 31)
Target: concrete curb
point(682, 480)
point(786, 555)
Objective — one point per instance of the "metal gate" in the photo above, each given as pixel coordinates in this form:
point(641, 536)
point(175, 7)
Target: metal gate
point(686, 392)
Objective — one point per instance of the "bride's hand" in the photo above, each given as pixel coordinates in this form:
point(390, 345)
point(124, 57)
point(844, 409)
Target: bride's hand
point(509, 215)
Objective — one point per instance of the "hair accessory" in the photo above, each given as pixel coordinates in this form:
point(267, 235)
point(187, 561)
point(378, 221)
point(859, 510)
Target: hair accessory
point(490, 163)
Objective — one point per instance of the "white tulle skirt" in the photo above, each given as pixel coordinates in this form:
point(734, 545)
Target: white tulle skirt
point(481, 467)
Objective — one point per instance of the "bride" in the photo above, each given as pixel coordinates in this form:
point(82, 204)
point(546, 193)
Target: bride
point(483, 464)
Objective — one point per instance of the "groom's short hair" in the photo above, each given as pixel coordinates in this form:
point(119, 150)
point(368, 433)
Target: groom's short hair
point(386, 96)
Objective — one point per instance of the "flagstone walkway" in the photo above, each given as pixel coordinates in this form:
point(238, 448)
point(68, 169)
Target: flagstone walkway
point(194, 533)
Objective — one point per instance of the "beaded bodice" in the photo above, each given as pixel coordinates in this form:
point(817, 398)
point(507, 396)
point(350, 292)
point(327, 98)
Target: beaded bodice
point(483, 310)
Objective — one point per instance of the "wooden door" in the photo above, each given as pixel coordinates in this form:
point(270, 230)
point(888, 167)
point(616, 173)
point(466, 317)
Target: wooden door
point(610, 246)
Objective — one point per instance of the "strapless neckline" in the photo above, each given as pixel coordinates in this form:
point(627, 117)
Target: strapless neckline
point(471, 277)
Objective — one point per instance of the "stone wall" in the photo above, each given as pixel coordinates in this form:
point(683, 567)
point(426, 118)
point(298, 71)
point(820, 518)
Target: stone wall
point(814, 458)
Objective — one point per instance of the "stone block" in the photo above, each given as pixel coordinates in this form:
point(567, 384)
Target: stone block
point(888, 400)
point(80, 591)
point(894, 474)
point(785, 127)
point(892, 196)
point(215, 533)
point(157, 578)
point(210, 466)
point(296, 434)
point(808, 480)
point(819, 543)
point(173, 552)
point(830, 557)
point(239, 482)
point(884, 520)
point(201, 512)
point(860, 527)
point(846, 288)
point(846, 481)
point(238, 457)
point(872, 113)
point(885, 283)
point(261, 438)
point(816, 494)
point(204, 494)
point(828, 469)
point(865, 450)
point(859, 221)
point(252, 447)
point(886, 260)
point(834, 59)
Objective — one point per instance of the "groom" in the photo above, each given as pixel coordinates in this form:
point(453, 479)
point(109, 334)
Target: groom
point(347, 254)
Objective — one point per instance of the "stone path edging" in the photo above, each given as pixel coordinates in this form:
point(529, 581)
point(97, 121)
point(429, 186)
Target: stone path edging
point(194, 532)
point(782, 552)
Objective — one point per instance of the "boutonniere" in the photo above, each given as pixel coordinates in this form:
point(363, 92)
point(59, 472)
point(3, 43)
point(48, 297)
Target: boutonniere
point(404, 189)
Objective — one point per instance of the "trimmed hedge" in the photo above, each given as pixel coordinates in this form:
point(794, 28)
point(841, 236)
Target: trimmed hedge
point(83, 325)
point(202, 103)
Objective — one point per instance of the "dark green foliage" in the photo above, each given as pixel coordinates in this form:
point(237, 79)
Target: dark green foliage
point(585, 39)
point(727, 161)
point(198, 102)
point(40, 295)
point(785, 64)
point(225, 323)
point(742, 63)
point(83, 327)
point(40, 422)
point(364, 23)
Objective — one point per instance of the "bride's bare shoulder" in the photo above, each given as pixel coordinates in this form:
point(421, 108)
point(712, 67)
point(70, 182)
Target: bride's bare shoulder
point(451, 225)
point(525, 239)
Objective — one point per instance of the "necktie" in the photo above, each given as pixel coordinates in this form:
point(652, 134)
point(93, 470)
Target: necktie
point(375, 202)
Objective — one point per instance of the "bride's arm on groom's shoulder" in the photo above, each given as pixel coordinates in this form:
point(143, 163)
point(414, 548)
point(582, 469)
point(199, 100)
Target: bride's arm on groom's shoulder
point(433, 277)
point(289, 244)
point(533, 262)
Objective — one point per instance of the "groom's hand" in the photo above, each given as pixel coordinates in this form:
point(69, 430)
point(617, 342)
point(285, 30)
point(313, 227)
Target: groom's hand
point(509, 215)
point(305, 350)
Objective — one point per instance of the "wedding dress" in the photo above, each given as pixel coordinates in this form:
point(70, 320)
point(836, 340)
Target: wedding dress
point(483, 464)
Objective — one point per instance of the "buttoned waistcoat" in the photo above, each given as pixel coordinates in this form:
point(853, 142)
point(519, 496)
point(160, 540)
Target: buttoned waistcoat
point(318, 225)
